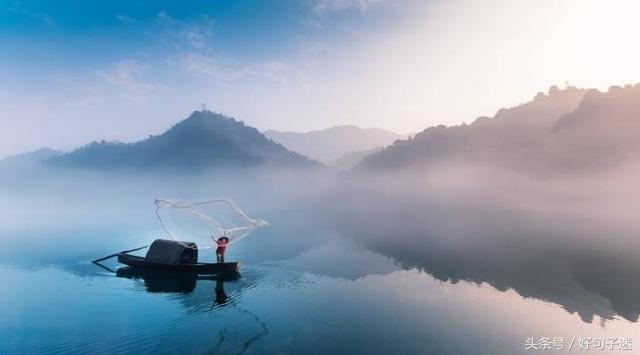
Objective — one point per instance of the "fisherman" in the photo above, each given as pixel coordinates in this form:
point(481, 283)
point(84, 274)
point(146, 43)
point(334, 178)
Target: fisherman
point(222, 247)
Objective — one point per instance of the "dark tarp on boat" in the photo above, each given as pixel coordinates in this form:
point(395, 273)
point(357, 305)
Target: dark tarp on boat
point(164, 251)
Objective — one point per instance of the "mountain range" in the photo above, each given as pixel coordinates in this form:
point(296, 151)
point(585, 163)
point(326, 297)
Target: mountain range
point(332, 144)
point(204, 140)
point(563, 131)
point(567, 130)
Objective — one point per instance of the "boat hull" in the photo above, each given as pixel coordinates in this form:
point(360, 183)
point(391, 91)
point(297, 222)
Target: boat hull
point(200, 268)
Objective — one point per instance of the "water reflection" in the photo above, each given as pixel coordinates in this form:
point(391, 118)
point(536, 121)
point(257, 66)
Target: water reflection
point(295, 306)
point(176, 282)
point(586, 273)
point(221, 295)
point(202, 294)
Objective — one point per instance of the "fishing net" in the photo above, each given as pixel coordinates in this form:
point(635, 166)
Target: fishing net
point(204, 221)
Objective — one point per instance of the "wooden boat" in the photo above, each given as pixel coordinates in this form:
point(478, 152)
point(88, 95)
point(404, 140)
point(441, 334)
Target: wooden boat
point(176, 256)
point(200, 268)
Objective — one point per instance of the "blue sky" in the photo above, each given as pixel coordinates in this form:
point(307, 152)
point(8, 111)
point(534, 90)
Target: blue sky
point(76, 71)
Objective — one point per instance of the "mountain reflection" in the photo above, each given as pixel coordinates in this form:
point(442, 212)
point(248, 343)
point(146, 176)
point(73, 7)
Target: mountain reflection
point(582, 273)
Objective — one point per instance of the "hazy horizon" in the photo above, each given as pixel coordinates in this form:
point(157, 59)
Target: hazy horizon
point(73, 147)
point(74, 73)
point(144, 136)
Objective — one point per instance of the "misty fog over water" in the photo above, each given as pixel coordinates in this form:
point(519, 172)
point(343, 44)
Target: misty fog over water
point(567, 242)
point(526, 218)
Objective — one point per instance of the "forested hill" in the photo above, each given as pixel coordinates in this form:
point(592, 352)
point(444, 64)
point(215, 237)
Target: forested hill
point(205, 140)
point(565, 131)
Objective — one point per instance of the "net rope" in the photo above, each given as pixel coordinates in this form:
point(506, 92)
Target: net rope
point(234, 233)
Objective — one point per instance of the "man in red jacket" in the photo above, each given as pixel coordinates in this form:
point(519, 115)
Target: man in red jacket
point(222, 247)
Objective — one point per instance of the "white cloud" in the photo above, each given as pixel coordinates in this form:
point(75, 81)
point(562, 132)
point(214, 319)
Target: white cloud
point(126, 75)
point(340, 5)
point(223, 72)
point(45, 18)
point(198, 55)
point(274, 70)
point(197, 34)
point(164, 18)
point(125, 19)
point(202, 64)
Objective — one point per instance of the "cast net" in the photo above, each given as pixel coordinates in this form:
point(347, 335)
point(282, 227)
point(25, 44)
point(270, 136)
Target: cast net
point(204, 221)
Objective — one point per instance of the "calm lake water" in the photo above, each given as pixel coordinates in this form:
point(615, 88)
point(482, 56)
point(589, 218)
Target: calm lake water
point(305, 287)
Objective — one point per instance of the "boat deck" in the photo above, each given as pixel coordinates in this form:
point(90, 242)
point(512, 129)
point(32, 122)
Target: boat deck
point(200, 268)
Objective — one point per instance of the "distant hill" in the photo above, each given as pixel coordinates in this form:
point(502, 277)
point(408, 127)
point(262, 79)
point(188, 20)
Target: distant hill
point(329, 145)
point(29, 158)
point(555, 132)
point(204, 140)
point(602, 132)
point(352, 159)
